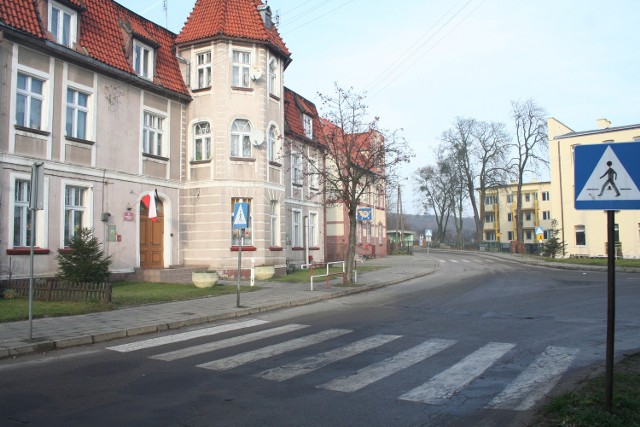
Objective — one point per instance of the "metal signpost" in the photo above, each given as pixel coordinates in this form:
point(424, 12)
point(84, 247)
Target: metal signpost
point(607, 177)
point(240, 222)
point(36, 203)
point(427, 236)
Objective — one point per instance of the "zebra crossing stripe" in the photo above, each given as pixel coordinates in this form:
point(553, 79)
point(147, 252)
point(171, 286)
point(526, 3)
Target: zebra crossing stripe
point(229, 342)
point(169, 339)
point(535, 381)
point(312, 363)
point(387, 367)
point(447, 383)
point(272, 350)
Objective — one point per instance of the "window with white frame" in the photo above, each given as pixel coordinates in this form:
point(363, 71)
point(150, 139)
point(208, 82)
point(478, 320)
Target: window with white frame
point(368, 231)
point(307, 123)
point(296, 228)
point(152, 134)
point(274, 82)
point(241, 65)
point(63, 24)
point(546, 214)
point(241, 138)
point(509, 198)
point(527, 197)
point(509, 217)
point(29, 101)
point(509, 235)
point(527, 216)
point(143, 60)
point(21, 214)
point(203, 69)
point(359, 232)
point(273, 146)
point(313, 229)
point(489, 200)
point(236, 232)
point(77, 113)
point(581, 237)
point(490, 236)
point(274, 222)
point(202, 141)
point(314, 175)
point(489, 218)
point(74, 211)
point(528, 235)
point(545, 196)
point(296, 169)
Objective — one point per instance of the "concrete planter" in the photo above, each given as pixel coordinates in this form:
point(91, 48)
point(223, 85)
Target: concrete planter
point(265, 272)
point(204, 279)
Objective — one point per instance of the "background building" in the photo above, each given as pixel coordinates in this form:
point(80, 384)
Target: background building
point(500, 220)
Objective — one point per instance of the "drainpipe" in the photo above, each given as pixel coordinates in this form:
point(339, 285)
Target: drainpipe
point(305, 239)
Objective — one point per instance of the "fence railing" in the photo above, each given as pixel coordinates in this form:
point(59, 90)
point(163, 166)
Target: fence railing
point(55, 290)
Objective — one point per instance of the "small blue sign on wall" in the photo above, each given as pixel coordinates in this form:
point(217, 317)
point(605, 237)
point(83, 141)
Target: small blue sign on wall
point(607, 176)
point(364, 214)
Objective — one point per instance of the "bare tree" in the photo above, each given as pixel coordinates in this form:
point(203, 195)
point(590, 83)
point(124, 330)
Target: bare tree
point(530, 150)
point(359, 157)
point(434, 183)
point(478, 150)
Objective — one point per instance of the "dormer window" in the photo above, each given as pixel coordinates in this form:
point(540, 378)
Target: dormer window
point(143, 60)
point(308, 126)
point(63, 24)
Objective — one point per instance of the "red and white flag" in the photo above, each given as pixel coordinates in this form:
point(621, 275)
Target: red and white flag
point(149, 201)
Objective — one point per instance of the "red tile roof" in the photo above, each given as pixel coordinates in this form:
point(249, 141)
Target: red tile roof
point(230, 18)
point(294, 107)
point(101, 36)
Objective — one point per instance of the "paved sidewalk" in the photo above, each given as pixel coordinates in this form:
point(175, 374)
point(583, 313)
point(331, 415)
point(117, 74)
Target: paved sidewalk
point(61, 332)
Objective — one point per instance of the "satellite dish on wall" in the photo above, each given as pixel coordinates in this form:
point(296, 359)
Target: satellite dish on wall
point(256, 74)
point(257, 137)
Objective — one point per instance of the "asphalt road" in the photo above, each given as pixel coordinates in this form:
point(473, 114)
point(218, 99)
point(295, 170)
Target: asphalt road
point(481, 342)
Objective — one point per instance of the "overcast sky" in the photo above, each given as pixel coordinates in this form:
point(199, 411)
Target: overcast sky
point(425, 62)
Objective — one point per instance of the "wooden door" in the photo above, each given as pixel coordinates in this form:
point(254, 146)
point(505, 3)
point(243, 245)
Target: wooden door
point(151, 237)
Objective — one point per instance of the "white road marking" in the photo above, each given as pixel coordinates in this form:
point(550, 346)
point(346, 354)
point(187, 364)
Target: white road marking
point(536, 381)
point(272, 350)
point(309, 364)
point(387, 367)
point(229, 342)
point(169, 339)
point(447, 383)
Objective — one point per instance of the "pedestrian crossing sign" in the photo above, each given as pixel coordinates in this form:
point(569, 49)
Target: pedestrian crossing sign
point(241, 215)
point(607, 176)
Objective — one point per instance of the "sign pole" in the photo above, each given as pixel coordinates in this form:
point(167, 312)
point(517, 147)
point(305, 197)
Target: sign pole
point(36, 202)
point(611, 309)
point(239, 265)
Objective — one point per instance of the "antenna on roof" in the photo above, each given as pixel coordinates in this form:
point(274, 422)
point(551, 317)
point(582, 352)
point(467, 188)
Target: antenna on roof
point(166, 14)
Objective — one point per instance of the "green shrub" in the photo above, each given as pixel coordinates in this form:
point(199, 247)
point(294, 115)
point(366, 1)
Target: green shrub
point(83, 260)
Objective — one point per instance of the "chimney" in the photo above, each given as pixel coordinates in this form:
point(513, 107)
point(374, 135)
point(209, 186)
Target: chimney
point(265, 13)
point(603, 123)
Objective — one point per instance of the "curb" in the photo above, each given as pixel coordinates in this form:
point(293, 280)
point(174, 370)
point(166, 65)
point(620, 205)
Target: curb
point(50, 345)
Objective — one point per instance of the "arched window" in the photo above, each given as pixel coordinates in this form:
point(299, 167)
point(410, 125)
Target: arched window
point(202, 141)
point(274, 84)
point(273, 147)
point(240, 138)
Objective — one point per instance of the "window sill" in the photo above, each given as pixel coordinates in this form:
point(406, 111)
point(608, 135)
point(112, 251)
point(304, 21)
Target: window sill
point(200, 162)
point(32, 130)
point(297, 248)
point(295, 184)
point(27, 251)
point(274, 97)
point(153, 156)
point(78, 140)
point(275, 164)
point(276, 248)
point(314, 248)
point(242, 89)
point(201, 89)
point(242, 159)
point(244, 249)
